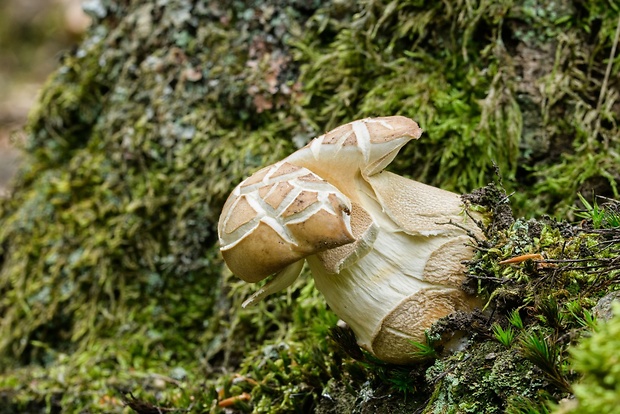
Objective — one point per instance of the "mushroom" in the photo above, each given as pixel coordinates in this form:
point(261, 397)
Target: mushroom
point(378, 245)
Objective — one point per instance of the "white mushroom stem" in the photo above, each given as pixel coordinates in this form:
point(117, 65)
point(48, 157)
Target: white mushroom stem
point(408, 279)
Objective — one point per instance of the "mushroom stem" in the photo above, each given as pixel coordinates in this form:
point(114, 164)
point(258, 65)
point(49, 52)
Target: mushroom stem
point(412, 274)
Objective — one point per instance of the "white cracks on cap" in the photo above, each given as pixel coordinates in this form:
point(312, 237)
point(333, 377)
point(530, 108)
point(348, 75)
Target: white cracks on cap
point(278, 216)
point(372, 239)
point(298, 181)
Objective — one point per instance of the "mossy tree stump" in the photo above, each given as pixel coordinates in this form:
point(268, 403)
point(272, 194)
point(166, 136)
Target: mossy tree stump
point(110, 280)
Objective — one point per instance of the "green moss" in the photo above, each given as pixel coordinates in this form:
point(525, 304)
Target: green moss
point(481, 380)
point(109, 268)
point(596, 358)
point(499, 83)
point(469, 110)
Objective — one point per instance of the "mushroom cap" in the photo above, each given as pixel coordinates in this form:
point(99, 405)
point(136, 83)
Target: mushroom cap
point(278, 216)
point(363, 147)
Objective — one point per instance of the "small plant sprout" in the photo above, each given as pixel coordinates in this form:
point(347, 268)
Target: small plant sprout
point(599, 216)
point(504, 336)
point(424, 350)
point(545, 355)
point(550, 312)
point(515, 319)
point(583, 317)
point(588, 320)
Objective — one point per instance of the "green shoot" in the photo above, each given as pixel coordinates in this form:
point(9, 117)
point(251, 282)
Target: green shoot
point(401, 380)
point(536, 348)
point(424, 350)
point(515, 319)
point(588, 320)
point(550, 312)
point(504, 336)
point(600, 217)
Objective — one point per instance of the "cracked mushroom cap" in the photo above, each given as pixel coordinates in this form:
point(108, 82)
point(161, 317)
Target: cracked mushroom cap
point(279, 216)
point(360, 148)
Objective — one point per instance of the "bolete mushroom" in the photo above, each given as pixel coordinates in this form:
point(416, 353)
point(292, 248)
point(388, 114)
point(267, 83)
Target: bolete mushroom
point(377, 244)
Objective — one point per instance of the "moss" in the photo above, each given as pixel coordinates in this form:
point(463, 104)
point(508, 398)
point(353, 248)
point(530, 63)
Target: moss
point(467, 111)
point(499, 83)
point(112, 291)
point(482, 380)
point(597, 359)
point(108, 256)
